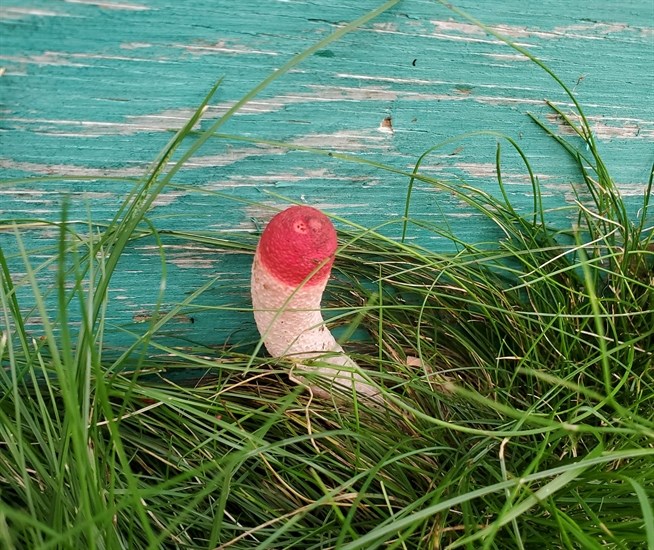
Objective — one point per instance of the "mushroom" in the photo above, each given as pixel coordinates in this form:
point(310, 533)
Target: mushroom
point(291, 267)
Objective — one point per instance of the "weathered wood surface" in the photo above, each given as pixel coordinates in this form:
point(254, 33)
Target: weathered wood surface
point(93, 88)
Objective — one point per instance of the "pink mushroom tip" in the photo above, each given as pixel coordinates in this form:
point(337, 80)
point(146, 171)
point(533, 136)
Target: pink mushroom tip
point(296, 242)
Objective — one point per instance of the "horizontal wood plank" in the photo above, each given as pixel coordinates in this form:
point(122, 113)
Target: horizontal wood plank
point(92, 90)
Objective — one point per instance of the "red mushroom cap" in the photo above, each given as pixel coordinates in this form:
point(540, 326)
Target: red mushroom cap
point(295, 242)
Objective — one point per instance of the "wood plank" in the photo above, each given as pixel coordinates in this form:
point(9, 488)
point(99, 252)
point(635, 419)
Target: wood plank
point(93, 88)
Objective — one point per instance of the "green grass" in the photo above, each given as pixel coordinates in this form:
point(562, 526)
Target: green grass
point(518, 374)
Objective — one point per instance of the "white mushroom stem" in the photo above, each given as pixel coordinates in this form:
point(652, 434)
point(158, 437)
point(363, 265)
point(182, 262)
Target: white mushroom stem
point(288, 315)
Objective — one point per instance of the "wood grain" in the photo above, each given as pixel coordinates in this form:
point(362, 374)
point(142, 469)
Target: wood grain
point(93, 89)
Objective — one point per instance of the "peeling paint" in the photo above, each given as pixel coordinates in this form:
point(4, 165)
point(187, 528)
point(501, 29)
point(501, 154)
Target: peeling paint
point(144, 316)
point(232, 155)
point(387, 26)
point(135, 45)
point(465, 32)
point(285, 179)
point(172, 119)
point(344, 93)
point(167, 198)
point(478, 169)
point(507, 56)
point(607, 128)
point(190, 256)
point(46, 58)
point(344, 141)
point(72, 170)
point(223, 47)
point(386, 125)
point(14, 13)
point(580, 31)
point(488, 170)
point(598, 29)
point(109, 5)
point(456, 26)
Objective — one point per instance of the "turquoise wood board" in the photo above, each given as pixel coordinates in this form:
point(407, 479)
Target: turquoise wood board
point(94, 89)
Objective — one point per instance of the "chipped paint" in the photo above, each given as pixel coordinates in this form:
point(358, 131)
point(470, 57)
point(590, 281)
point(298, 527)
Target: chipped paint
point(143, 316)
point(607, 128)
point(135, 45)
point(223, 47)
point(46, 59)
point(344, 141)
point(579, 31)
point(167, 198)
point(386, 125)
point(15, 13)
point(71, 169)
point(191, 256)
point(232, 155)
point(109, 5)
point(507, 56)
point(286, 180)
point(488, 170)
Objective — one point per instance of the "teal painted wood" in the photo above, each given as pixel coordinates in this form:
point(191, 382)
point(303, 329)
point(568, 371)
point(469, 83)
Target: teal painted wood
point(92, 88)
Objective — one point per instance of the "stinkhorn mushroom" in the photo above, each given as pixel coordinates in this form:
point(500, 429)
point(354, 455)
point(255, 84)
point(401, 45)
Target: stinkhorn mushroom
point(291, 267)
